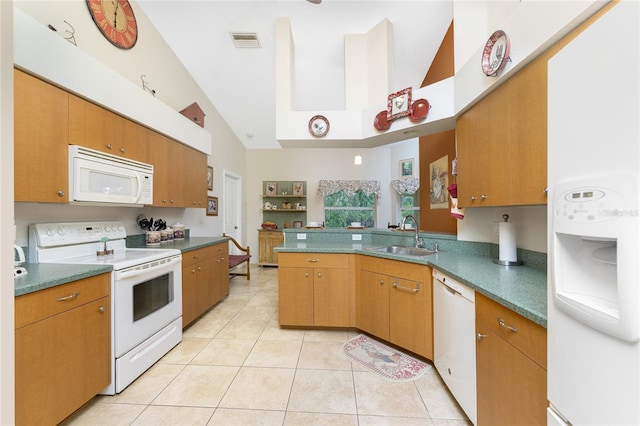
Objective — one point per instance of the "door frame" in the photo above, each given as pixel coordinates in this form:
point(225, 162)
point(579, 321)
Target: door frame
point(227, 174)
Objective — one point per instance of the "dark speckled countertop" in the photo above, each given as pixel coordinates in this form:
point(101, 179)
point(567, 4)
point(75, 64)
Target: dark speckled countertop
point(44, 275)
point(522, 289)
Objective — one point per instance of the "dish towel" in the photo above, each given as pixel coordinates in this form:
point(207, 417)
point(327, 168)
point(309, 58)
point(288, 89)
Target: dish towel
point(456, 212)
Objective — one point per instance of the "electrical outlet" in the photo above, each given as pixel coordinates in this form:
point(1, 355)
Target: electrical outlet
point(356, 237)
point(301, 236)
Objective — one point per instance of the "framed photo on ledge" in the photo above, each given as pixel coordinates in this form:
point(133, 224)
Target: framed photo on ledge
point(271, 188)
point(298, 189)
point(212, 206)
point(398, 104)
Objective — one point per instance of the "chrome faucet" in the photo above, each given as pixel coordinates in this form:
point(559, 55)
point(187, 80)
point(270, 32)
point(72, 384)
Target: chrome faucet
point(415, 223)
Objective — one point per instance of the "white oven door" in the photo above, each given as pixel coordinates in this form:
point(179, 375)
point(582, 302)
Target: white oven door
point(147, 298)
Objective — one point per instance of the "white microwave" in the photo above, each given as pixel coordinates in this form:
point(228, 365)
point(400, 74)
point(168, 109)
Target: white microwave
point(96, 177)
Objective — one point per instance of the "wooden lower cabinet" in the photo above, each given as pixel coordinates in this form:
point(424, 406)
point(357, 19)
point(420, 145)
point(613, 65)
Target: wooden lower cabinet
point(511, 367)
point(267, 240)
point(394, 302)
point(205, 280)
point(314, 289)
point(62, 349)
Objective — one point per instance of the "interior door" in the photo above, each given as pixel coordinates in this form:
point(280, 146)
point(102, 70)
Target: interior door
point(232, 208)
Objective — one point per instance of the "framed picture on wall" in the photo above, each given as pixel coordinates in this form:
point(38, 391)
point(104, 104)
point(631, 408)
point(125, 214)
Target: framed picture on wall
point(212, 206)
point(406, 167)
point(210, 178)
point(297, 224)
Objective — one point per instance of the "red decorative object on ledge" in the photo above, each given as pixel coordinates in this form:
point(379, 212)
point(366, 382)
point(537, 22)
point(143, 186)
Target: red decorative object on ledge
point(399, 105)
point(194, 113)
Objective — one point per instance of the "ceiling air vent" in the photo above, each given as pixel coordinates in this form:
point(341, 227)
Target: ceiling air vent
point(245, 40)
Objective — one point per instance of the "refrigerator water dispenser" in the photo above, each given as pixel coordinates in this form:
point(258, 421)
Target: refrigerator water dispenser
point(595, 253)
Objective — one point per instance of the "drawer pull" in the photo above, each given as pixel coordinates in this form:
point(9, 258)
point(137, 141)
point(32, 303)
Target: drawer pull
point(306, 275)
point(319, 274)
point(480, 336)
point(381, 282)
point(313, 260)
point(69, 297)
point(502, 324)
point(412, 290)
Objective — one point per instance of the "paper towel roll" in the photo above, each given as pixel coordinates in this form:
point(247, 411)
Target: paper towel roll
point(507, 234)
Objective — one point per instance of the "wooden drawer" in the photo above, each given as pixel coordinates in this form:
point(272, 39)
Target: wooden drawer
point(530, 338)
point(42, 304)
point(314, 260)
point(194, 256)
point(395, 268)
point(221, 249)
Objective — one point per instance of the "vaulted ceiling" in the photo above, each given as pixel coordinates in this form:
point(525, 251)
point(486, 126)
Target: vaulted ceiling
point(240, 82)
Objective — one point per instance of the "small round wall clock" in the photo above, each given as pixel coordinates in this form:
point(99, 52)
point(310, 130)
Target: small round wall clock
point(116, 21)
point(318, 125)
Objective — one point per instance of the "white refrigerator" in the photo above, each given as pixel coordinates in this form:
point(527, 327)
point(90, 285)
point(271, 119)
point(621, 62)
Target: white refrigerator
point(593, 221)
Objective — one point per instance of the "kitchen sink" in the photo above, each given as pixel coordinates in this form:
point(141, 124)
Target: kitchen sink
point(405, 251)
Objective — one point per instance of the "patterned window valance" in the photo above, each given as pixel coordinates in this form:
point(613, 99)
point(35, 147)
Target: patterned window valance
point(406, 185)
point(328, 187)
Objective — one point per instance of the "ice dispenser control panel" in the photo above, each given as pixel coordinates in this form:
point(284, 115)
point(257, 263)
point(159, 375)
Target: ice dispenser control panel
point(589, 205)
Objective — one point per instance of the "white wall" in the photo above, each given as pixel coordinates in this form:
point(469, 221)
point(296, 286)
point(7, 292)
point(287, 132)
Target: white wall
point(174, 87)
point(7, 401)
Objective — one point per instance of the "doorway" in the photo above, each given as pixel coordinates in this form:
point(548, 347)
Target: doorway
point(232, 206)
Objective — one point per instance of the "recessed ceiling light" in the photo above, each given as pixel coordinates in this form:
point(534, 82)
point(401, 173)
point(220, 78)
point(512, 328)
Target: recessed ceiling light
point(245, 39)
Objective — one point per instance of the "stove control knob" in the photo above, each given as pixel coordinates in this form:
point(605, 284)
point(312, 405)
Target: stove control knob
point(120, 228)
point(50, 232)
point(60, 231)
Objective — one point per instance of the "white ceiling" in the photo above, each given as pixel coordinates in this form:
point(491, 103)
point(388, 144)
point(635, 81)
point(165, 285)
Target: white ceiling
point(240, 83)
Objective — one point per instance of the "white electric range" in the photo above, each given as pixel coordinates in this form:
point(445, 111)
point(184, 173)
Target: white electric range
point(146, 290)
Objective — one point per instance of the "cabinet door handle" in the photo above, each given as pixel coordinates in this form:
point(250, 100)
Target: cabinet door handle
point(483, 197)
point(60, 193)
point(313, 260)
point(69, 297)
point(306, 275)
point(473, 198)
point(412, 290)
point(101, 309)
point(122, 150)
point(109, 146)
point(508, 327)
point(319, 274)
point(480, 336)
point(381, 282)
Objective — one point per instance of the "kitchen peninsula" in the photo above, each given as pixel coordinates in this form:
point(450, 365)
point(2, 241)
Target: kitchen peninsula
point(349, 279)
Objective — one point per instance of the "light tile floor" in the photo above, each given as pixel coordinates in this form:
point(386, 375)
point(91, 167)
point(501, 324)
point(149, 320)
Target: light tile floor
point(235, 366)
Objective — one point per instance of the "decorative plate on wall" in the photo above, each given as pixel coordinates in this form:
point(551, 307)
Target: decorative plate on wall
point(495, 54)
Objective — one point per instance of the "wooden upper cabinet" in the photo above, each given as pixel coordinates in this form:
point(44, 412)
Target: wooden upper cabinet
point(195, 178)
point(484, 153)
point(528, 111)
point(167, 159)
point(41, 115)
point(502, 143)
point(94, 127)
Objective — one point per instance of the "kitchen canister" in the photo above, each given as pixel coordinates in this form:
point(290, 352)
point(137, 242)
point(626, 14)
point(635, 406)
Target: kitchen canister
point(166, 235)
point(153, 238)
point(178, 231)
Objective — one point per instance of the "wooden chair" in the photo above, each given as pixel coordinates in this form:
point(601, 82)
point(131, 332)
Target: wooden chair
point(236, 260)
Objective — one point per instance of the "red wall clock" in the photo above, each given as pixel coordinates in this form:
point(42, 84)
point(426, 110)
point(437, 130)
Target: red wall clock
point(116, 21)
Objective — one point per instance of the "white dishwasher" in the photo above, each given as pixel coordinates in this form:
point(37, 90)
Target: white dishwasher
point(454, 342)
